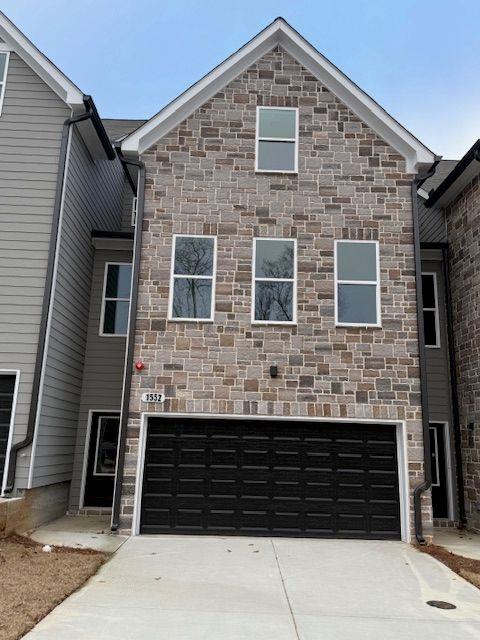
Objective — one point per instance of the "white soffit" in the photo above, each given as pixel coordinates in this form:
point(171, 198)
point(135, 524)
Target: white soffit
point(16, 41)
point(417, 155)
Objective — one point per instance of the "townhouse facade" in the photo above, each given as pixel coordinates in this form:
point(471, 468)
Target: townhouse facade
point(252, 306)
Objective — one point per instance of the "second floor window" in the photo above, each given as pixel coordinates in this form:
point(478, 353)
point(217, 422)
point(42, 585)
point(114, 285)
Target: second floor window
point(116, 299)
point(192, 282)
point(274, 281)
point(357, 283)
point(431, 323)
point(277, 140)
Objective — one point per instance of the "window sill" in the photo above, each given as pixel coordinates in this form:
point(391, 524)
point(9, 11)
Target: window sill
point(113, 335)
point(433, 346)
point(351, 325)
point(278, 172)
point(263, 323)
point(195, 320)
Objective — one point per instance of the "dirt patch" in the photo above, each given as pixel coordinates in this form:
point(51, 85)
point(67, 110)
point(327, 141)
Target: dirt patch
point(33, 582)
point(465, 567)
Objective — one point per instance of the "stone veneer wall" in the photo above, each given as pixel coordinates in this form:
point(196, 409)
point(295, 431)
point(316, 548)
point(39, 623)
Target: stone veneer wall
point(463, 231)
point(351, 185)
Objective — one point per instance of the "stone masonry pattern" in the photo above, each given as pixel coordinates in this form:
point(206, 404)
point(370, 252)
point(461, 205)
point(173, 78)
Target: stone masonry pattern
point(463, 229)
point(200, 179)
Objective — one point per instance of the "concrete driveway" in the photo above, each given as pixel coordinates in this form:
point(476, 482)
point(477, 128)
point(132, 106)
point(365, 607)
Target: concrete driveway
point(192, 588)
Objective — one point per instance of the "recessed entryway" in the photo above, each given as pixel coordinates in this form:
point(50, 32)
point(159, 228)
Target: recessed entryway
point(8, 391)
point(441, 480)
point(247, 476)
point(101, 458)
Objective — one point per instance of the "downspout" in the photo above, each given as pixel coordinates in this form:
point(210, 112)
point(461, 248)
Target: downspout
point(457, 436)
point(427, 462)
point(129, 351)
point(47, 294)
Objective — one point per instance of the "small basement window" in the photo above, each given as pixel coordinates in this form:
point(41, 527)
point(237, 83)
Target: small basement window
point(357, 283)
point(116, 299)
point(192, 281)
point(4, 57)
point(431, 322)
point(274, 281)
point(277, 140)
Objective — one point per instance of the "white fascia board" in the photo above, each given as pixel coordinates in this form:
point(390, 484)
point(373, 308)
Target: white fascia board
point(280, 33)
point(50, 74)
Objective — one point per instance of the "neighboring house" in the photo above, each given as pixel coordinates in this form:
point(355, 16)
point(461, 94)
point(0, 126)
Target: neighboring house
point(60, 180)
point(451, 224)
point(209, 319)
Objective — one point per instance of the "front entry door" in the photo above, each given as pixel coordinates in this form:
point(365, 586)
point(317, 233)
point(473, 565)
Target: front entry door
point(439, 470)
point(102, 459)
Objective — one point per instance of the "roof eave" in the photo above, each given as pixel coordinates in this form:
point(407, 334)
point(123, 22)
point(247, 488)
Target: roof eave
point(279, 32)
point(464, 171)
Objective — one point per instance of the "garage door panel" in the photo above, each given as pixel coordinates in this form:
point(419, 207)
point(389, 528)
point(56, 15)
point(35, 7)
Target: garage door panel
point(270, 478)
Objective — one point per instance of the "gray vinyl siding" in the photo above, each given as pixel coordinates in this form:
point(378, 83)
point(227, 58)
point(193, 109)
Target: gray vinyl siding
point(432, 223)
point(127, 207)
point(31, 126)
point(103, 371)
point(93, 200)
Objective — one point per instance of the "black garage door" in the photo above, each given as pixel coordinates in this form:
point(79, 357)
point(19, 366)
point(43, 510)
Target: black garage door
point(267, 477)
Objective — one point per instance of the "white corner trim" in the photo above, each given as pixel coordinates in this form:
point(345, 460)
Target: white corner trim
point(281, 33)
point(3, 80)
point(402, 455)
point(16, 41)
point(16, 373)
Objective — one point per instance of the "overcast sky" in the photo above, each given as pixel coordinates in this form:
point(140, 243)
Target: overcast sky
point(420, 59)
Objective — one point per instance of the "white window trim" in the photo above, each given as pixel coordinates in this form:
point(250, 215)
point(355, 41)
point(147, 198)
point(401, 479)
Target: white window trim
point(294, 280)
point(438, 344)
point(16, 373)
point(3, 80)
point(258, 139)
point(376, 282)
point(104, 300)
point(94, 472)
point(213, 278)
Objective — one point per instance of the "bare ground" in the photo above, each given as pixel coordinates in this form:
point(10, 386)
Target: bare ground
point(33, 582)
point(465, 567)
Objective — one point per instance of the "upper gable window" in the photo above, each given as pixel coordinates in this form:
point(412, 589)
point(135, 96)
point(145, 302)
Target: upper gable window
point(192, 282)
point(357, 283)
point(3, 75)
point(277, 140)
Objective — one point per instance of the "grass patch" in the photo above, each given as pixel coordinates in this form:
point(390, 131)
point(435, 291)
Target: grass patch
point(468, 568)
point(33, 582)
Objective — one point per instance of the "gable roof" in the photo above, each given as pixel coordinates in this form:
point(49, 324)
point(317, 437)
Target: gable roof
point(464, 171)
point(43, 67)
point(118, 128)
point(280, 33)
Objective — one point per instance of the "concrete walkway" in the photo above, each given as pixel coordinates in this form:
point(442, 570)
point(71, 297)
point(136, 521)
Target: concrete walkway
point(210, 588)
point(79, 532)
point(462, 542)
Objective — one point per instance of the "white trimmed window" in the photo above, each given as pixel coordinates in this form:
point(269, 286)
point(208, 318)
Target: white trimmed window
point(4, 57)
point(116, 299)
point(274, 281)
point(277, 140)
point(431, 321)
point(192, 280)
point(357, 283)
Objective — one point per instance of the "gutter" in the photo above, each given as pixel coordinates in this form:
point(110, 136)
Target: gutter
point(129, 352)
point(427, 462)
point(90, 114)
